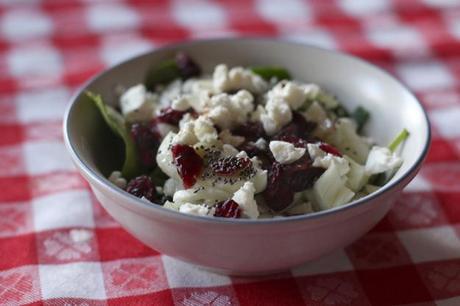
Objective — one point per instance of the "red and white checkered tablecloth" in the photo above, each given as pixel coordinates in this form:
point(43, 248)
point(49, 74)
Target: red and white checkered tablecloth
point(59, 247)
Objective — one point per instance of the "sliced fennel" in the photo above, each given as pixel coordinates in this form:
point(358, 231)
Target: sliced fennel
point(330, 189)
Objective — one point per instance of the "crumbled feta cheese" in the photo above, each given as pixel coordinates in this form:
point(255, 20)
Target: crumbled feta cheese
point(117, 179)
point(171, 92)
point(186, 134)
point(187, 117)
point(171, 186)
point(276, 114)
point(381, 159)
point(237, 78)
point(204, 130)
point(324, 160)
point(195, 209)
point(293, 93)
point(227, 138)
point(245, 199)
point(164, 128)
point(261, 144)
point(228, 111)
point(137, 104)
point(285, 152)
point(180, 103)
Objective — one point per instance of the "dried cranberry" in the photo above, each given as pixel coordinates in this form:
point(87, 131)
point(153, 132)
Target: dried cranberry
point(170, 116)
point(330, 149)
point(142, 186)
point(228, 209)
point(231, 165)
point(187, 67)
point(285, 180)
point(251, 131)
point(189, 164)
point(299, 127)
point(301, 175)
point(147, 141)
point(277, 195)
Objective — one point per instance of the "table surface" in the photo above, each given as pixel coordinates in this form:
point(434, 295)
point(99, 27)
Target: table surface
point(58, 246)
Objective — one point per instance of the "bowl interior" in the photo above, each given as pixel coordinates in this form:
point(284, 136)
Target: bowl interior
point(354, 82)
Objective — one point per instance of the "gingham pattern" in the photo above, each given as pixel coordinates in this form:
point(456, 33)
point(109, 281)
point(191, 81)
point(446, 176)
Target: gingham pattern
point(59, 247)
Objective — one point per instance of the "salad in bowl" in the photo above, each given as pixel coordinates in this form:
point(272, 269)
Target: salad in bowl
point(242, 142)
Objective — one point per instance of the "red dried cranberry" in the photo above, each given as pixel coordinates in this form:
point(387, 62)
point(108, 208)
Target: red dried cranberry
point(285, 180)
point(147, 141)
point(231, 165)
point(142, 186)
point(301, 175)
point(170, 116)
point(299, 127)
point(251, 131)
point(228, 209)
point(277, 195)
point(189, 164)
point(187, 67)
point(330, 149)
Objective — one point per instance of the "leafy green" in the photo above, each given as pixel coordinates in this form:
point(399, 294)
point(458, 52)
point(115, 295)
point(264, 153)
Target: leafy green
point(398, 140)
point(361, 116)
point(268, 72)
point(163, 73)
point(116, 123)
point(341, 111)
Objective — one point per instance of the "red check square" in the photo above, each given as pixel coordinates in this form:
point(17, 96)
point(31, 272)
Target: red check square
point(393, 286)
point(269, 292)
point(116, 243)
point(17, 251)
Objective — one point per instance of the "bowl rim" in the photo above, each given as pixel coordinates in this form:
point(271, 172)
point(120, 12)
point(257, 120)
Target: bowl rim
point(105, 183)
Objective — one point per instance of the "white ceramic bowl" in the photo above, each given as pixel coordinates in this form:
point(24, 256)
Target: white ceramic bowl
point(247, 247)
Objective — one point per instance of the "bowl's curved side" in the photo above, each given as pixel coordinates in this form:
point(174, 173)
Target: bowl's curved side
point(242, 249)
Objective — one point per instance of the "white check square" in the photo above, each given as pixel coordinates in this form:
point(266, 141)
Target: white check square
point(184, 275)
point(430, 244)
point(425, 75)
point(49, 104)
point(63, 210)
point(335, 262)
point(446, 121)
point(74, 280)
point(45, 157)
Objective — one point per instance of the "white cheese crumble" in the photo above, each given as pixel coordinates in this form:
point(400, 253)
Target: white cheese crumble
point(237, 78)
point(245, 199)
point(293, 93)
point(228, 111)
point(195, 209)
point(285, 152)
point(137, 104)
point(324, 160)
point(381, 159)
point(261, 144)
point(117, 179)
point(204, 130)
point(228, 138)
point(275, 115)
